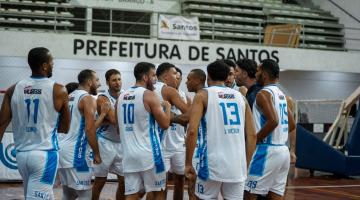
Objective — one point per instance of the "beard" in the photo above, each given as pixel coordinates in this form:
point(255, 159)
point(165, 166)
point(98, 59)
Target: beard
point(93, 91)
point(49, 75)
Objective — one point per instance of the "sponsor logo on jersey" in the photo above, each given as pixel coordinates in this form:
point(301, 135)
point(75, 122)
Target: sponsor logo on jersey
point(226, 96)
point(30, 90)
point(129, 97)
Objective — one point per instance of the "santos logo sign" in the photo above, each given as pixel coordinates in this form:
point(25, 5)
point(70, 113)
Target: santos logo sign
point(178, 27)
point(8, 155)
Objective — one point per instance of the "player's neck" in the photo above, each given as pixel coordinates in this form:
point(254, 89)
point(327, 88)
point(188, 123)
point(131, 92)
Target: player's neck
point(82, 87)
point(249, 83)
point(140, 84)
point(113, 93)
point(38, 75)
point(216, 83)
point(272, 82)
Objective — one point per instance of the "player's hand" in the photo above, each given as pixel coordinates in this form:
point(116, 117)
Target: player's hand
point(292, 157)
point(105, 108)
point(166, 104)
point(190, 173)
point(97, 159)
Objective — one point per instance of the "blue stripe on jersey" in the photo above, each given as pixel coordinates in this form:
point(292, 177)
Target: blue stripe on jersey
point(259, 160)
point(54, 138)
point(51, 167)
point(156, 149)
point(80, 149)
point(203, 172)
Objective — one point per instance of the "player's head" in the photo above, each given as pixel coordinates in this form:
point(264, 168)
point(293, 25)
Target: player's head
point(178, 77)
point(166, 72)
point(195, 80)
point(217, 71)
point(145, 72)
point(245, 69)
point(267, 72)
point(113, 80)
point(71, 87)
point(88, 79)
point(40, 61)
point(231, 77)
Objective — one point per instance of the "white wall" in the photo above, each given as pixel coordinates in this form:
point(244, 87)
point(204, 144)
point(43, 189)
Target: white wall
point(353, 7)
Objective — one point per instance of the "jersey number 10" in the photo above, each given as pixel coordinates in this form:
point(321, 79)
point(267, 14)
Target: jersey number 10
point(128, 110)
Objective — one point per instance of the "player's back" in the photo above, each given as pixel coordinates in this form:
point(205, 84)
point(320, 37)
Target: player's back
point(279, 135)
point(222, 143)
point(141, 145)
point(108, 131)
point(34, 116)
point(73, 146)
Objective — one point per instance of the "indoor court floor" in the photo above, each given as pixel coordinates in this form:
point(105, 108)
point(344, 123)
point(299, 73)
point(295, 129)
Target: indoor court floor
point(321, 186)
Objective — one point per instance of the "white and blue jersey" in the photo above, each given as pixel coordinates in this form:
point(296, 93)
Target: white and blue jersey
point(270, 163)
point(222, 137)
point(34, 118)
point(34, 122)
point(141, 144)
point(279, 135)
point(74, 148)
point(108, 131)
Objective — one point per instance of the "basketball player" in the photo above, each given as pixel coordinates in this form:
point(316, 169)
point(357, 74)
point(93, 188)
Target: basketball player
point(172, 140)
point(38, 108)
point(75, 171)
point(225, 120)
point(274, 121)
point(245, 76)
point(230, 81)
point(137, 110)
point(109, 139)
point(195, 82)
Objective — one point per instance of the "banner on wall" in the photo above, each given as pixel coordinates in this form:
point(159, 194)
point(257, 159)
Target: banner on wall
point(71, 46)
point(178, 27)
point(8, 164)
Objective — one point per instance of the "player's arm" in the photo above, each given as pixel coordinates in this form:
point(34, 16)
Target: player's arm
point(103, 112)
point(162, 117)
point(5, 112)
point(183, 119)
point(174, 98)
point(265, 103)
point(243, 90)
point(61, 103)
point(250, 134)
point(197, 111)
point(89, 109)
point(110, 115)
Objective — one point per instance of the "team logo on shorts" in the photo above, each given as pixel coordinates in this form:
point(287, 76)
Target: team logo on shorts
point(8, 155)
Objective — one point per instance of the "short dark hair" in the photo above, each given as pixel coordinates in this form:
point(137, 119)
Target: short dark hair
point(164, 67)
point(38, 56)
point(178, 70)
point(248, 65)
point(85, 75)
point(110, 72)
point(200, 74)
point(71, 87)
point(218, 70)
point(141, 69)
point(271, 67)
point(230, 63)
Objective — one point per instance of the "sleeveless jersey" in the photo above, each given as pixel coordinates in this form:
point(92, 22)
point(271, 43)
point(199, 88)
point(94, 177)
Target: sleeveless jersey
point(222, 137)
point(34, 118)
point(141, 143)
point(108, 131)
point(278, 136)
point(174, 139)
point(74, 148)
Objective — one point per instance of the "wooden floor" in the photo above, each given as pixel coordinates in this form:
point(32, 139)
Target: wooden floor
point(300, 187)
